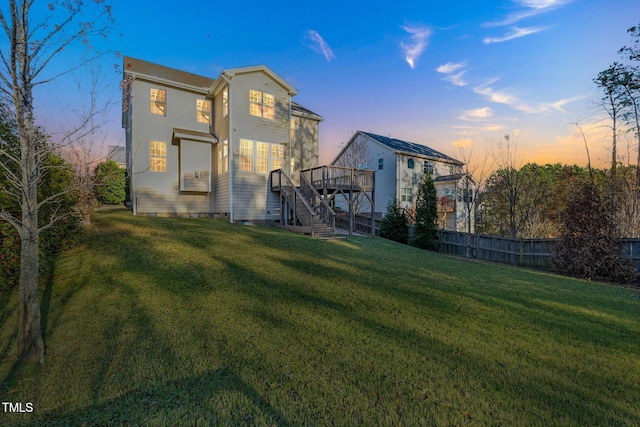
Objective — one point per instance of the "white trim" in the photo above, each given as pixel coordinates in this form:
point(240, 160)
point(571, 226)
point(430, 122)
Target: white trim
point(172, 83)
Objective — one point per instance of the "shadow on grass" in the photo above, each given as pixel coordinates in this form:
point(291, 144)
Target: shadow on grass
point(506, 386)
point(191, 401)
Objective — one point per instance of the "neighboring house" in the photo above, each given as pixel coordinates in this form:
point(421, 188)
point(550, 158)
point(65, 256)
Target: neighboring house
point(455, 201)
point(202, 146)
point(400, 167)
point(118, 154)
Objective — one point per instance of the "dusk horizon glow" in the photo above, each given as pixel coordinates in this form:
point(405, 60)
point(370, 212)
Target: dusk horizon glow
point(437, 74)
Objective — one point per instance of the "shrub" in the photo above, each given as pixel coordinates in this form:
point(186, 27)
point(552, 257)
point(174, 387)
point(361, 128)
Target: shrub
point(589, 247)
point(394, 225)
point(109, 181)
point(57, 179)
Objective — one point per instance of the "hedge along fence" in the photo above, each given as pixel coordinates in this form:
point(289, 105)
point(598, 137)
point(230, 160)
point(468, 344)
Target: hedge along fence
point(535, 253)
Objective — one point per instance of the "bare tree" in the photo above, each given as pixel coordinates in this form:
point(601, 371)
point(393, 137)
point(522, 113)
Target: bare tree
point(507, 160)
point(35, 38)
point(356, 155)
point(475, 170)
point(83, 149)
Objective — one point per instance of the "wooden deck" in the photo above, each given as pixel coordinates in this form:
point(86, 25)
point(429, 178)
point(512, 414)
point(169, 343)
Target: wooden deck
point(332, 178)
point(317, 191)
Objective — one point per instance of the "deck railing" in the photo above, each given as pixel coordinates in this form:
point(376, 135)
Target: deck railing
point(338, 177)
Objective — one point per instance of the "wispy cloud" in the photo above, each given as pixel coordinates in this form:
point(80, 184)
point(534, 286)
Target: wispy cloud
point(503, 97)
point(514, 34)
point(531, 8)
point(451, 67)
point(512, 100)
point(419, 40)
point(542, 4)
point(561, 103)
point(319, 45)
point(457, 79)
point(463, 142)
point(476, 115)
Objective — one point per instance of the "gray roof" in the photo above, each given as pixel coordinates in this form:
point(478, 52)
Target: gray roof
point(448, 178)
point(411, 147)
point(301, 111)
point(117, 154)
point(160, 71)
point(133, 65)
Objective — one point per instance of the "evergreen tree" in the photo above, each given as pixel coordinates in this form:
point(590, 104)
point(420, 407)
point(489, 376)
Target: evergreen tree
point(109, 183)
point(395, 225)
point(426, 216)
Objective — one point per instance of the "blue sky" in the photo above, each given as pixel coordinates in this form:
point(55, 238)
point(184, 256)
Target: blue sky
point(439, 73)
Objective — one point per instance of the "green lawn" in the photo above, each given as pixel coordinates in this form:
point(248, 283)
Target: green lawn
point(164, 321)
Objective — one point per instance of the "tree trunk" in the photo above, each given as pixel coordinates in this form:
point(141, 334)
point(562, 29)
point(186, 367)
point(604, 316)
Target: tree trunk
point(30, 343)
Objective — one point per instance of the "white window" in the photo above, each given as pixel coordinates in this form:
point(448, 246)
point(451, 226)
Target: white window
point(269, 104)
point(225, 102)
point(203, 111)
point(223, 157)
point(158, 156)
point(158, 101)
point(277, 157)
point(406, 195)
point(261, 104)
point(380, 164)
point(428, 167)
point(262, 157)
point(246, 155)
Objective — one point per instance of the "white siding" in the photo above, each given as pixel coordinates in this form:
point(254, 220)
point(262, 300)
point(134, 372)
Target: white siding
point(252, 198)
point(195, 166)
point(159, 192)
point(304, 145)
point(221, 203)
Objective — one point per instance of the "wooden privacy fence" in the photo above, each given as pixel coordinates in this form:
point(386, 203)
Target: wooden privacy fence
point(536, 253)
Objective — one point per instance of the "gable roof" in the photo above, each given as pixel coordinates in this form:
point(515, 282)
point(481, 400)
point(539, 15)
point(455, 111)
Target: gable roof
point(168, 75)
point(299, 110)
point(228, 74)
point(406, 147)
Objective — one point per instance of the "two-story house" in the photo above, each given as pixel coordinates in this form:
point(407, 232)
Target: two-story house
point(200, 146)
point(400, 167)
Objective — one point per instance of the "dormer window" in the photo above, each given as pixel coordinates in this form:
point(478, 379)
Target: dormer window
point(261, 104)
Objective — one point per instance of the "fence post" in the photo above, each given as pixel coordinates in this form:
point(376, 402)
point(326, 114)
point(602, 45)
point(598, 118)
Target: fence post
point(521, 260)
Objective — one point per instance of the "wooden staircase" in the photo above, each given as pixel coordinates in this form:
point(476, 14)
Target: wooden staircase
point(302, 208)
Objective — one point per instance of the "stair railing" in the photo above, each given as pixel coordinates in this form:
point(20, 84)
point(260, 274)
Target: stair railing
point(299, 205)
point(318, 203)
